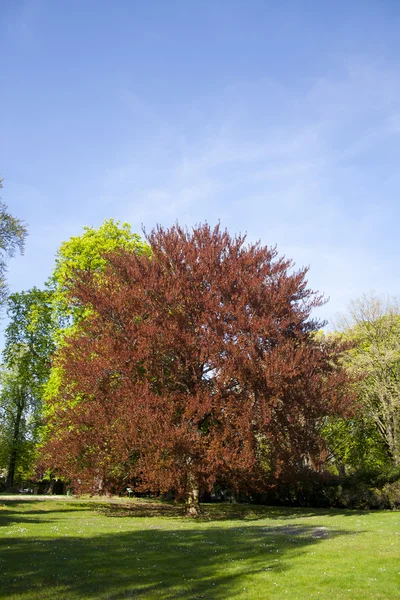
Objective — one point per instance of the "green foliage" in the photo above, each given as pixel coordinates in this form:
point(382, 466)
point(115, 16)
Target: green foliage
point(364, 489)
point(391, 492)
point(28, 340)
point(88, 252)
point(85, 253)
point(12, 237)
point(370, 440)
point(18, 426)
point(354, 444)
point(374, 360)
point(367, 490)
point(26, 367)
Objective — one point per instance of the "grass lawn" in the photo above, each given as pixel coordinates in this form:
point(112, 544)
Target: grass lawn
point(77, 548)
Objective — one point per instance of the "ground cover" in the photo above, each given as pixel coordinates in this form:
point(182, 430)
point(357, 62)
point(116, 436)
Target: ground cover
point(134, 548)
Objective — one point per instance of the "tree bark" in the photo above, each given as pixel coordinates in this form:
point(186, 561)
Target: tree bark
point(234, 497)
point(192, 490)
point(14, 447)
point(192, 501)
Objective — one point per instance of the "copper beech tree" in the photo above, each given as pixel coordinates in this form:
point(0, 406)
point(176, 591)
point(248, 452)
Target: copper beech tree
point(196, 365)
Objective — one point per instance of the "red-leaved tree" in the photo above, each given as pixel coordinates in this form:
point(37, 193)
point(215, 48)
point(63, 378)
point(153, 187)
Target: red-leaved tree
point(196, 365)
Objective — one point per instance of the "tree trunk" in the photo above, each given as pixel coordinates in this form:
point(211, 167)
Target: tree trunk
point(192, 490)
point(14, 447)
point(234, 497)
point(393, 442)
point(192, 501)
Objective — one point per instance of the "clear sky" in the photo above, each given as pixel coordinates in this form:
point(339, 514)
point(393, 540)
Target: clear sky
point(278, 118)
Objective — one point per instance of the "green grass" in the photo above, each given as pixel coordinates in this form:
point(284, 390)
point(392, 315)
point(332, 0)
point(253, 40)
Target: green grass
point(76, 548)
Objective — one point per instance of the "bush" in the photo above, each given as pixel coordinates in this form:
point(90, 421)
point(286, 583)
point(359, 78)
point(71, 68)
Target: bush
point(306, 488)
point(363, 490)
point(391, 492)
point(360, 497)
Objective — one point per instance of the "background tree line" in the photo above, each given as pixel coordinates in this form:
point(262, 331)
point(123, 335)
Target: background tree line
point(189, 363)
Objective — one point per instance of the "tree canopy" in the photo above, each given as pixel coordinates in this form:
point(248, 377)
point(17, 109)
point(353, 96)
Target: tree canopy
point(197, 365)
point(87, 252)
point(13, 233)
point(39, 323)
point(80, 254)
point(25, 370)
point(373, 324)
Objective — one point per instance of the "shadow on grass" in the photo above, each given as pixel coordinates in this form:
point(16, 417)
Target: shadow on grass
point(213, 512)
point(154, 563)
point(13, 512)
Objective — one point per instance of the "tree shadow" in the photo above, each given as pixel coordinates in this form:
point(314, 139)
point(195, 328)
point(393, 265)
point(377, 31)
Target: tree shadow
point(155, 563)
point(214, 511)
point(13, 512)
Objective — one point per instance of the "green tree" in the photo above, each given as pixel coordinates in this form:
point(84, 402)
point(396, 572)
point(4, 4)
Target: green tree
point(373, 324)
point(88, 252)
point(41, 321)
point(355, 444)
point(83, 254)
point(26, 367)
point(12, 237)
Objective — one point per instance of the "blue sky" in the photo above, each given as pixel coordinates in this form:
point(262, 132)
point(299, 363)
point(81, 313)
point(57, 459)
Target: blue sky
point(278, 118)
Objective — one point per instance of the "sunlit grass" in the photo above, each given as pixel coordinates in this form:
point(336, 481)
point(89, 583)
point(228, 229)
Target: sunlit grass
point(70, 549)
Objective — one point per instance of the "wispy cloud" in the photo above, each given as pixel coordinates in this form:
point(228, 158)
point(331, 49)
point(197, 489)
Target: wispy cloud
point(313, 170)
point(300, 179)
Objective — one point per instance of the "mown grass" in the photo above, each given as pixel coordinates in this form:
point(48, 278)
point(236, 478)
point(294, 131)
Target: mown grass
point(87, 549)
